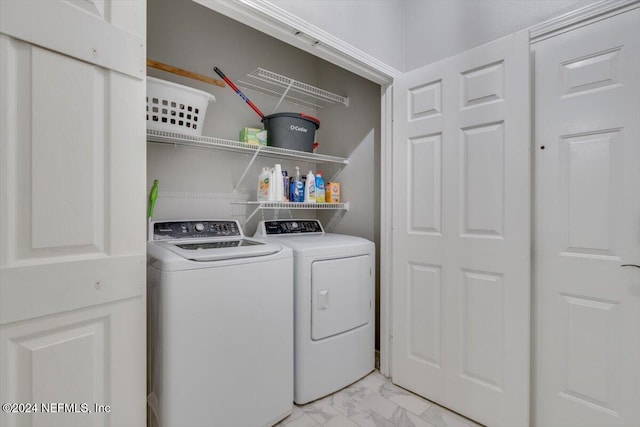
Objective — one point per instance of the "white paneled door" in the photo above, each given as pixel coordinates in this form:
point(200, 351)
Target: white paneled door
point(588, 225)
point(461, 232)
point(72, 223)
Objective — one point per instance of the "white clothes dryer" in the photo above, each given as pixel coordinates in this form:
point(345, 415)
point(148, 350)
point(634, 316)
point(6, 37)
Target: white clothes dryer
point(334, 304)
point(220, 326)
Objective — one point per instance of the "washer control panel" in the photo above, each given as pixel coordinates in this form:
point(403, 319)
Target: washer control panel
point(290, 226)
point(169, 230)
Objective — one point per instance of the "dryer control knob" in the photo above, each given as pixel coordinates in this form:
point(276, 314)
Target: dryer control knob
point(199, 227)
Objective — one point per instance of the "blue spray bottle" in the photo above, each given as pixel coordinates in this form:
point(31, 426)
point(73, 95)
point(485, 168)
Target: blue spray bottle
point(297, 188)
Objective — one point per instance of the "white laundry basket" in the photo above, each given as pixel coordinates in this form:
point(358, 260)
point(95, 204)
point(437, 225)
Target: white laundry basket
point(176, 108)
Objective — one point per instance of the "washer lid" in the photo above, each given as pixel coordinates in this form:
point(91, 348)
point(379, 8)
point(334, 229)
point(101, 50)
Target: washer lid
point(207, 240)
point(218, 249)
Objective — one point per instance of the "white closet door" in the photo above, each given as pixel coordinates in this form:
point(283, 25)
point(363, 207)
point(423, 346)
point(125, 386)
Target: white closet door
point(461, 232)
point(72, 211)
point(588, 224)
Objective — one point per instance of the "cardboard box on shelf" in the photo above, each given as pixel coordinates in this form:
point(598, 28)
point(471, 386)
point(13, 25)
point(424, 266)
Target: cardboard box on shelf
point(332, 192)
point(253, 136)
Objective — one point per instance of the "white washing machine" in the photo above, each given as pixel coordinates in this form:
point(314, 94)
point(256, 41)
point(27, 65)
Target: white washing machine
point(334, 300)
point(220, 326)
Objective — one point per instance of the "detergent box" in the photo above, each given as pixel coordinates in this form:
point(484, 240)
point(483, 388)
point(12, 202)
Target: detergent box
point(332, 192)
point(253, 136)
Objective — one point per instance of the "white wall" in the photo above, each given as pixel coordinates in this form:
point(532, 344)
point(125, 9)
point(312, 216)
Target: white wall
point(437, 29)
point(373, 26)
point(407, 34)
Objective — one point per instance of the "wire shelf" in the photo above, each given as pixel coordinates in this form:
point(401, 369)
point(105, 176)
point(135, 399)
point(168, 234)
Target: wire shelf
point(294, 205)
point(163, 137)
point(291, 90)
point(260, 206)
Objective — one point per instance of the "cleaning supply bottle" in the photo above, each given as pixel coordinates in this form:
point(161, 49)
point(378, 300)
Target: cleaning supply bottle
point(264, 185)
point(320, 193)
point(310, 188)
point(292, 187)
point(272, 185)
point(278, 185)
point(153, 196)
point(286, 186)
point(297, 189)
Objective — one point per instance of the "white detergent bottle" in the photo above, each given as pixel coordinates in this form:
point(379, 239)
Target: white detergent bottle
point(264, 185)
point(272, 186)
point(278, 186)
point(310, 188)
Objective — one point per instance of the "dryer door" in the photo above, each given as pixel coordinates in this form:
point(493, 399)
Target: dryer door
point(340, 295)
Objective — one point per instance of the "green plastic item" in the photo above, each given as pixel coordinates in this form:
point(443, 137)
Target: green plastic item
point(152, 198)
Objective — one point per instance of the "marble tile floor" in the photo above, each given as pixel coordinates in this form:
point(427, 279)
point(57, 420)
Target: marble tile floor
point(373, 402)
